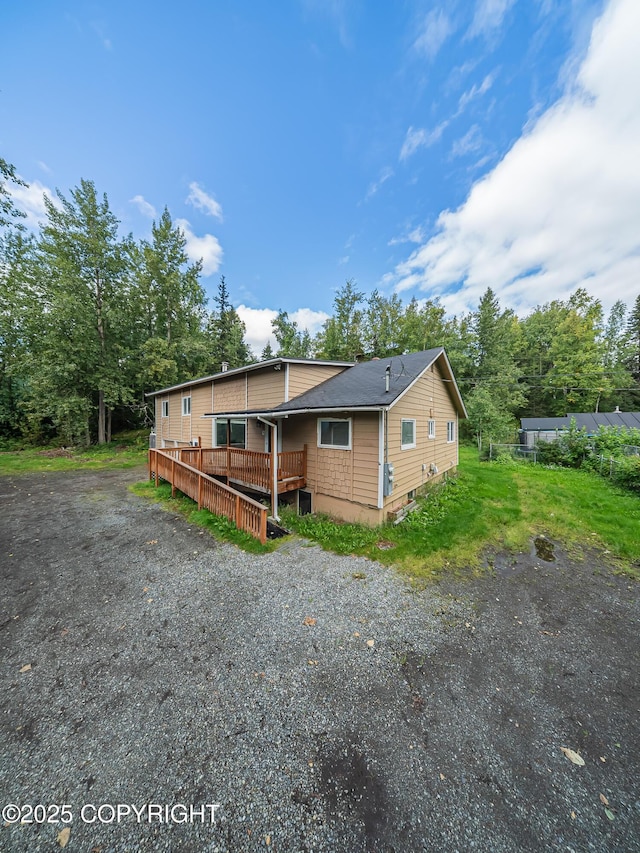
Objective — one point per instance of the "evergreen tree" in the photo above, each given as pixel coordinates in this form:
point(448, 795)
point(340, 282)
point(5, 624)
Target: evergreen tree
point(267, 353)
point(171, 308)
point(83, 296)
point(9, 213)
point(382, 326)
point(577, 374)
point(497, 393)
point(341, 335)
point(292, 343)
point(632, 356)
point(226, 333)
point(17, 304)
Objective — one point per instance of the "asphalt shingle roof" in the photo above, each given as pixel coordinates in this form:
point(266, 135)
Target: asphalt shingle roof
point(364, 383)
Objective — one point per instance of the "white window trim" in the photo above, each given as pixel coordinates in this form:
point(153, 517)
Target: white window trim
point(164, 404)
point(186, 403)
point(412, 444)
point(335, 446)
point(431, 428)
point(451, 431)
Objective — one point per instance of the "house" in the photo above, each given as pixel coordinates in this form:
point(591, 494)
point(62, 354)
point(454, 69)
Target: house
point(534, 430)
point(352, 440)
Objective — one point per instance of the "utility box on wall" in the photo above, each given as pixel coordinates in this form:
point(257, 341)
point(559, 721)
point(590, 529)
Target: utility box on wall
point(387, 482)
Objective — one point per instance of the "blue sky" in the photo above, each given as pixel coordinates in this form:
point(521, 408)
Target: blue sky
point(430, 149)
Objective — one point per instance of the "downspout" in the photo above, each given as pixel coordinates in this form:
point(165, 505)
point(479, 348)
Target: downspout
point(274, 466)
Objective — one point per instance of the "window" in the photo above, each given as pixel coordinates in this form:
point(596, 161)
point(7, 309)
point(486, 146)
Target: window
point(451, 431)
point(165, 408)
point(186, 405)
point(238, 437)
point(432, 429)
point(334, 433)
point(408, 429)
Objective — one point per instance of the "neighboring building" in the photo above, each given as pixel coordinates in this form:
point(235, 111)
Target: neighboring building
point(534, 430)
point(375, 432)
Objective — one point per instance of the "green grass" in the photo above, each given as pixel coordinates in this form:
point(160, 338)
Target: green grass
point(489, 506)
point(127, 450)
point(219, 527)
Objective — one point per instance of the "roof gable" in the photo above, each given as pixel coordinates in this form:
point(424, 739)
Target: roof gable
point(365, 384)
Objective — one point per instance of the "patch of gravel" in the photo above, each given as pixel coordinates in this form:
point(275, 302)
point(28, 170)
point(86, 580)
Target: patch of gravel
point(323, 703)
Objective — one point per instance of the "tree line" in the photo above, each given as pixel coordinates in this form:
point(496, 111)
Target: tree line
point(90, 321)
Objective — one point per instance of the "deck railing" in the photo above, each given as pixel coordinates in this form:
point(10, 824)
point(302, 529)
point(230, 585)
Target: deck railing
point(218, 498)
point(245, 466)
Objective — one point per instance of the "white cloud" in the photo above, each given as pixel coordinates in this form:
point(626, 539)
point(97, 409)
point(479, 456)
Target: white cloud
point(258, 324)
point(308, 319)
point(417, 235)
point(421, 138)
point(467, 144)
point(435, 30)
point(206, 248)
point(385, 174)
point(561, 208)
point(203, 201)
point(489, 16)
point(417, 138)
point(476, 91)
point(30, 200)
point(145, 208)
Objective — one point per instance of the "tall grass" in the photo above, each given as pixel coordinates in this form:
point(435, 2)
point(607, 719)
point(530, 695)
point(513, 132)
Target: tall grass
point(489, 505)
point(127, 450)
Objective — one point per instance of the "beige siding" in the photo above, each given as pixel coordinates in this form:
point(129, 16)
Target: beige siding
point(255, 435)
point(365, 458)
point(347, 510)
point(346, 475)
point(428, 399)
point(201, 402)
point(266, 388)
point(302, 377)
point(230, 394)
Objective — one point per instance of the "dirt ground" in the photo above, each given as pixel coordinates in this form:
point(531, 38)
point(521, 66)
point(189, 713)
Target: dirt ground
point(300, 701)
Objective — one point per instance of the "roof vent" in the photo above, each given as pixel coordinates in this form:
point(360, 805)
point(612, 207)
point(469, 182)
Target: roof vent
point(387, 374)
point(616, 411)
point(225, 366)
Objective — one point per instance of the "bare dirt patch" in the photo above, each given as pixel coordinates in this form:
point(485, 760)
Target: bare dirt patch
point(324, 704)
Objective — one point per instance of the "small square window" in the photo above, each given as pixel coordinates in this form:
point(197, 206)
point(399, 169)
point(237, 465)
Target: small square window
point(334, 433)
point(186, 405)
point(432, 429)
point(451, 431)
point(408, 433)
point(165, 408)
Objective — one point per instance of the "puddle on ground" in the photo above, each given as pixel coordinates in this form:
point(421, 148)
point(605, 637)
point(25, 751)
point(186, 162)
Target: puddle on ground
point(544, 549)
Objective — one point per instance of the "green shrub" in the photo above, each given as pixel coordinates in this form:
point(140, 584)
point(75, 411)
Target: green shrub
point(627, 473)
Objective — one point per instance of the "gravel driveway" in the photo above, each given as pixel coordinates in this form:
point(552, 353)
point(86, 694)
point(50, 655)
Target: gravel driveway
point(176, 694)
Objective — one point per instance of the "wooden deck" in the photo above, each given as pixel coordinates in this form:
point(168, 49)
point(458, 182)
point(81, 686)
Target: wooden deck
point(218, 498)
point(248, 469)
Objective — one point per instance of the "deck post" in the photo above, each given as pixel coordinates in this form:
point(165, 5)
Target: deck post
point(274, 471)
point(200, 490)
point(173, 476)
